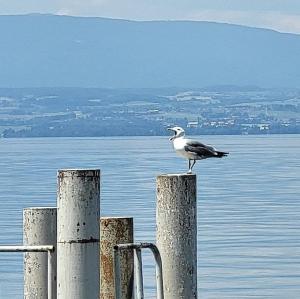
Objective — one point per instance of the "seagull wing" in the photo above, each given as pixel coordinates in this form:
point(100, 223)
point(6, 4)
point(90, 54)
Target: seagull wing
point(200, 149)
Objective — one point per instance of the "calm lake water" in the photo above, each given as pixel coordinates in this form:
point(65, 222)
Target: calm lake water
point(248, 204)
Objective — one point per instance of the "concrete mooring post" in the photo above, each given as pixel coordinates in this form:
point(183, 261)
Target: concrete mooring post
point(78, 231)
point(176, 217)
point(116, 230)
point(39, 228)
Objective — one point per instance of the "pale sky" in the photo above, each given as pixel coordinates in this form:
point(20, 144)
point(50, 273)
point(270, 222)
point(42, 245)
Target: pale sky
point(281, 15)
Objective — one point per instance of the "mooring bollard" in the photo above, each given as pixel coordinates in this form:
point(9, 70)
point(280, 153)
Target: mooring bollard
point(39, 228)
point(176, 218)
point(113, 231)
point(78, 248)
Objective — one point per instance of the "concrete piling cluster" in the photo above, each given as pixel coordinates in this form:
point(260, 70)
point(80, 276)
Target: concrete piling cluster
point(85, 266)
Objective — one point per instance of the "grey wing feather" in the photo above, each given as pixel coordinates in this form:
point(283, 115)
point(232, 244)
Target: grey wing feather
point(200, 148)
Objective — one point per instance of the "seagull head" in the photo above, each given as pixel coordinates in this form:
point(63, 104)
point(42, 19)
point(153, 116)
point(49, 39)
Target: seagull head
point(178, 132)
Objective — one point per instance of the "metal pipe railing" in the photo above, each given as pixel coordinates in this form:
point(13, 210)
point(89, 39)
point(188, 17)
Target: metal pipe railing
point(137, 247)
point(44, 248)
point(138, 268)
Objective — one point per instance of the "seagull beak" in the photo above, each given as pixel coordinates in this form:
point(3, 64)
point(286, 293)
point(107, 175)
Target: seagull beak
point(171, 129)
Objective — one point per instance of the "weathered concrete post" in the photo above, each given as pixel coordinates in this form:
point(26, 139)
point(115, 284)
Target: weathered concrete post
point(176, 218)
point(116, 230)
point(39, 228)
point(78, 248)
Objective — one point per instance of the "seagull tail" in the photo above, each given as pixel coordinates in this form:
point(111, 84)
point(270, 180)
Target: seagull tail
point(221, 154)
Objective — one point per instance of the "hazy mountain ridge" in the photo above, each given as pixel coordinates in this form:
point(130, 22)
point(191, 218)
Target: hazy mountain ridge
point(47, 50)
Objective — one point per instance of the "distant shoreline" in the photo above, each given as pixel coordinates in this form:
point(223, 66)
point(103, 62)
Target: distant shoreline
point(152, 136)
point(136, 112)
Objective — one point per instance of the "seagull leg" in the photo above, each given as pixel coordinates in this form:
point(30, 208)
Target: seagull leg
point(194, 162)
point(190, 169)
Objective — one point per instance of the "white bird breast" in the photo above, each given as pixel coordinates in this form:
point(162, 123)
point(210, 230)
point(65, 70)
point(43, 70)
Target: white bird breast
point(179, 144)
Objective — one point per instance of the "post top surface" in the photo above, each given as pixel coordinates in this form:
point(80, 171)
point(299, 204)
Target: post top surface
point(183, 175)
point(40, 208)
point(78, 172)
point(115, 217)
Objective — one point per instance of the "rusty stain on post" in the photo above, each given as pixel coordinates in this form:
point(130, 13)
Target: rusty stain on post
point(39, 228)
point(115, 230)
point(78, 248)
point(176, 218)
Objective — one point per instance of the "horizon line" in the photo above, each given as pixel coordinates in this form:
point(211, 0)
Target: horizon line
point(148, 21)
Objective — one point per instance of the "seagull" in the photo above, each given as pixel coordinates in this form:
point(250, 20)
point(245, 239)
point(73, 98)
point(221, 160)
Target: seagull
point(191, 149)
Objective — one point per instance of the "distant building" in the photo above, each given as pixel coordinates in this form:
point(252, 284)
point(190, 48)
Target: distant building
point(193, 124)
point(153, 111)
point(263, 127)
